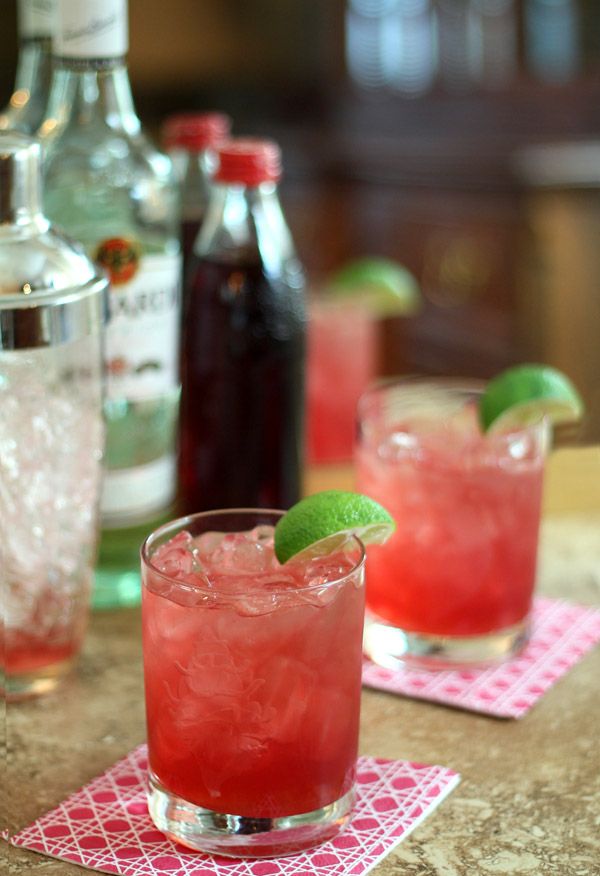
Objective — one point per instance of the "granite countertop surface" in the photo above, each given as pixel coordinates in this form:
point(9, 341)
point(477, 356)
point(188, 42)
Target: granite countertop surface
point(529, 799)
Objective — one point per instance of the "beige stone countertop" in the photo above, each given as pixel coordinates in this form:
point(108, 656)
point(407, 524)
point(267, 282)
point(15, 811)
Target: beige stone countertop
point(529, 799)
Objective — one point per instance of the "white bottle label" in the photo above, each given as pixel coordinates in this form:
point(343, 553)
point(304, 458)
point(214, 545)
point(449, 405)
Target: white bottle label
point(141, 356)
point(131, 494)
point(91, 29)
point(36, 17)
point(141, 351)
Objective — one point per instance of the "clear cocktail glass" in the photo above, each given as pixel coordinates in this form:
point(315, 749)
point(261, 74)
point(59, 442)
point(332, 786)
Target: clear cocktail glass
point(253, 678)
point(454, 584)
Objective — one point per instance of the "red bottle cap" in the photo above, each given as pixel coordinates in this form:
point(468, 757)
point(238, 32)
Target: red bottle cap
point(196, 131)
point(248, 161)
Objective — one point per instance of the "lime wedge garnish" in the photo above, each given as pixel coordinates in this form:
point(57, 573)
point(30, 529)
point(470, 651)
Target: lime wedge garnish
point(323, 516)
point(381, 285)
point(524, 394)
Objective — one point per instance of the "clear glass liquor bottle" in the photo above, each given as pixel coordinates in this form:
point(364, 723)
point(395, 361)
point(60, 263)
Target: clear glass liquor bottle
point(27, 103)
point(108, 187)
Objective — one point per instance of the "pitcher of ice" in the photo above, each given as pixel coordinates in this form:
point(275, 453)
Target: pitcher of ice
point(52, 306)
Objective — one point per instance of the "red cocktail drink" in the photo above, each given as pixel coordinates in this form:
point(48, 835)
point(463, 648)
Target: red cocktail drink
point(341, 363)
point(456, 579)
point(252, 674)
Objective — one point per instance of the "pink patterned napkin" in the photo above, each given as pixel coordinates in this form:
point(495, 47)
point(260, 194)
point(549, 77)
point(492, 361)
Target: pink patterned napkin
point(105, 826)
point(561, 634)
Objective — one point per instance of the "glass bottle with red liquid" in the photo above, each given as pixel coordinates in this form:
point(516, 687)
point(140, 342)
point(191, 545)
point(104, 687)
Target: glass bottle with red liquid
point(243, 345)
point(190, 139)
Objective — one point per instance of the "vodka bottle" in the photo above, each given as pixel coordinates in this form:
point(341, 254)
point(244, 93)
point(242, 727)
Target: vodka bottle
point(243, 341)
point(27, 104)
point(108, 187)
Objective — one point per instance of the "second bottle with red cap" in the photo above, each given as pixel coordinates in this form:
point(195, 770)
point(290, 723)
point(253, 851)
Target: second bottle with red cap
point(243, 343)
point(191, 139)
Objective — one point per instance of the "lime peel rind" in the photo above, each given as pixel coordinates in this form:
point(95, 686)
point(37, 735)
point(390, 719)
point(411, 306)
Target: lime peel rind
point(525, 394)
point(332, 512)
point(381, 285)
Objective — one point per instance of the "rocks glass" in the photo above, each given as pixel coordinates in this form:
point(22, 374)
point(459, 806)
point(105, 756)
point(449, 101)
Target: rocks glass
point(454, 584)
point(253, 680)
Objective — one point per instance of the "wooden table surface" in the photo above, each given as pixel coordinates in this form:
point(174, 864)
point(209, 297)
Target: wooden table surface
point(529, 799)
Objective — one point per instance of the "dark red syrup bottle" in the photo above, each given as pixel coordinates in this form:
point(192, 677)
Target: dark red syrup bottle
point(243, 343)
point(191, 139)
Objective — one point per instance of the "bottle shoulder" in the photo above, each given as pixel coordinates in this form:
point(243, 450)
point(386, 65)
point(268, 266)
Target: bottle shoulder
point(103, 183)
point(247, 226)
point(100, 150)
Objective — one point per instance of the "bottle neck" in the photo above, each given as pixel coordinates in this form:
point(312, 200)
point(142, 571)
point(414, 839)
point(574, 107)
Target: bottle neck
point(21, 189)
point(90, 92)
point(245, 222)
point(193, 171)
point(27, 103)
point(34, 64)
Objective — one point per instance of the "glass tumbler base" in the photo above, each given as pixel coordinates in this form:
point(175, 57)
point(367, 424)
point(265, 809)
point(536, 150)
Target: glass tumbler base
point(393, 647)
point(22, 685)
point(240, 836)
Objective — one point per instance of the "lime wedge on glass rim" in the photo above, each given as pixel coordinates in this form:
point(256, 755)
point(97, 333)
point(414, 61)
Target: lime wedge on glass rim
point(383, 286)
point(323, 521)
point(524, 394)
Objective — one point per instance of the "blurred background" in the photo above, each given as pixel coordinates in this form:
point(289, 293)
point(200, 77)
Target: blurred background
point(458, 137)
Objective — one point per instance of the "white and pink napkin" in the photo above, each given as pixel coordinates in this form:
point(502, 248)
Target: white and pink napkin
point(105, 826)
point(562, 633)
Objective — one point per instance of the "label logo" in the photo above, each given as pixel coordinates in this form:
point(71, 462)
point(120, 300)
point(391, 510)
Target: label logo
point(120, 258)
point(93, 28)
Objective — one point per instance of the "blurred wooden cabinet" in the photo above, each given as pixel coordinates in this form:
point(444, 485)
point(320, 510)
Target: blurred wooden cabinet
point(558, 302)
point(460, 246)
